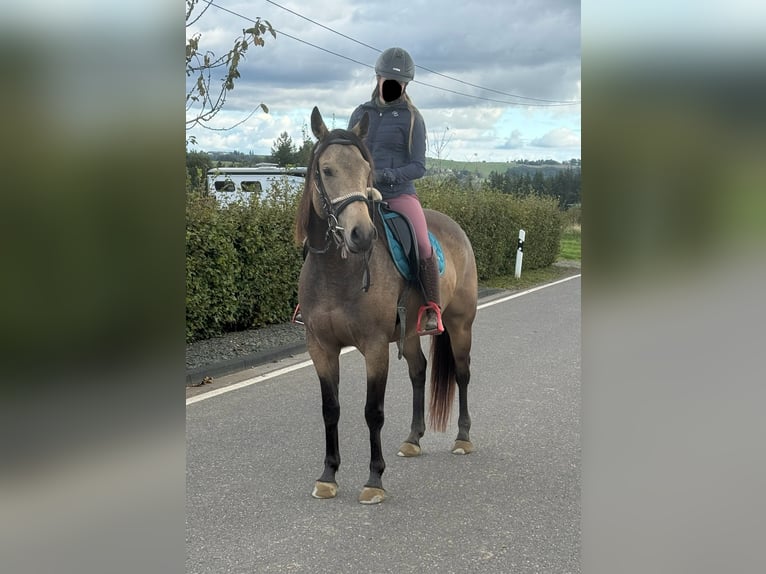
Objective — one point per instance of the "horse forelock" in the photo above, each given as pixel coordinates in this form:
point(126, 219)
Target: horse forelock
point(340, 136)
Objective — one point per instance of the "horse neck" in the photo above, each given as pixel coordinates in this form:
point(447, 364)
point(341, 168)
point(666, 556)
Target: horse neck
point(316, 234)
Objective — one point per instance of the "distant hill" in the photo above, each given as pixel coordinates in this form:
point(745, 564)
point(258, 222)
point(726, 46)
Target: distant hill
point(484, 168)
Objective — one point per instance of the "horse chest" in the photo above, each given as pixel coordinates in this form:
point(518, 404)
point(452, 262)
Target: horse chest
point(342, 310)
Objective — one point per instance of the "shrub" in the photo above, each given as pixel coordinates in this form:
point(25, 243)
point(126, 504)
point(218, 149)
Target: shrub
point(242, 266)
point(212, 268)
point(267, 283)
point(492, 221)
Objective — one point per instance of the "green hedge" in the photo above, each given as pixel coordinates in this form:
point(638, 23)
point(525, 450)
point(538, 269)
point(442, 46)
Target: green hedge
point(242, 267)
point(492, 221)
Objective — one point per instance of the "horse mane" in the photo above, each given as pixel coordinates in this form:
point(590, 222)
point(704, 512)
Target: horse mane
point(305, 209)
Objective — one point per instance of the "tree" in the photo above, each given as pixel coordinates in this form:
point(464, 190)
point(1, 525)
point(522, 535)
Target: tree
point(204, 99)
point(438, 144)
point(283, 150)
point(539, 184)
point(499, 181)
point(197, 166)
point(303, 155)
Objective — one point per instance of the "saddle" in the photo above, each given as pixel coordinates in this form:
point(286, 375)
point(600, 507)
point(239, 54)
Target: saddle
point(402, 244)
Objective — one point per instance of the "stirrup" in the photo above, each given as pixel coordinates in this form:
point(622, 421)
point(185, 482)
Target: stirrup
point(439, 327)
point(297, 317)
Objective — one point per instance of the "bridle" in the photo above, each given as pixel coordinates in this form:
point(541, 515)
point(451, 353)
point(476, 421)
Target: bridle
point(334, 207)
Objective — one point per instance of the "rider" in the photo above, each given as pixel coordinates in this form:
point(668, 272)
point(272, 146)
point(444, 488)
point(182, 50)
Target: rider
point(396, 139)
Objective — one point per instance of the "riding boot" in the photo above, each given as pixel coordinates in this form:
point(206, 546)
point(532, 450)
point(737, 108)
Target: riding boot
point(431, 324)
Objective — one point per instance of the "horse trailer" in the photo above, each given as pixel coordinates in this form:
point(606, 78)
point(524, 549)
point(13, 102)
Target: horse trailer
point(230, 184)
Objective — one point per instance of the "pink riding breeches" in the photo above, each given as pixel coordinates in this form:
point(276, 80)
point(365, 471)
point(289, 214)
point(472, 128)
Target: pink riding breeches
point(410, 206)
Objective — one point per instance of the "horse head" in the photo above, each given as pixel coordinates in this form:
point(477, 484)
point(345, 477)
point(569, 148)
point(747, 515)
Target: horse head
point(339, 186)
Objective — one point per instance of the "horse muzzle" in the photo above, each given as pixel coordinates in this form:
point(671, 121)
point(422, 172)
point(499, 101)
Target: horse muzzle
point(360, 237)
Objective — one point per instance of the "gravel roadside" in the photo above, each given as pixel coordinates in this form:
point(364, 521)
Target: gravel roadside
point(242, 343)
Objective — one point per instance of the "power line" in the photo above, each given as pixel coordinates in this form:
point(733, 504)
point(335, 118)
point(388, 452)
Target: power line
point(549, 103)
point(561, 102)
point(546, 105)
point(289, 36)
point(323, 26)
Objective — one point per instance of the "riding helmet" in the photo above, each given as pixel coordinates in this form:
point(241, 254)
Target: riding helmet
point(397, 64)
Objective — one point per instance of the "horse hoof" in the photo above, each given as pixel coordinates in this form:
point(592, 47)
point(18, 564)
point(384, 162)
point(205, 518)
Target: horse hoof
point(325, 490)
point(462, 447)
point(408, 450)
point(370, 495)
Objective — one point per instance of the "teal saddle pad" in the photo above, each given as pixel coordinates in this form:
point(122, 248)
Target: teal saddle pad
point(402, 244)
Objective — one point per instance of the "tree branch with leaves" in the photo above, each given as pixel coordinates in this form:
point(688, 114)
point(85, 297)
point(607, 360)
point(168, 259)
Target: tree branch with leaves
point(205, 96)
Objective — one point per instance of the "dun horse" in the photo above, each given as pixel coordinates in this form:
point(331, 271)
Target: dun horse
point(349, 290)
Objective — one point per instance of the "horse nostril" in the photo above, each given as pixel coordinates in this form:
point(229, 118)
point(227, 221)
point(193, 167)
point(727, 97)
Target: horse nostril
point(359, 235)
point(360, 238)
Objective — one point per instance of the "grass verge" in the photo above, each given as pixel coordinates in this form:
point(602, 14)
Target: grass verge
point(531, 278)
point(569, 250)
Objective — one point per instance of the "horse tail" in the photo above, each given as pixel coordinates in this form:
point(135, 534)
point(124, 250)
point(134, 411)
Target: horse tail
point(442, 381)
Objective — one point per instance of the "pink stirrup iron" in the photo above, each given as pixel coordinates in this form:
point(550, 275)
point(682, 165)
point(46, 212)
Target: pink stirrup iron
point(297, 317)
point(439, 327)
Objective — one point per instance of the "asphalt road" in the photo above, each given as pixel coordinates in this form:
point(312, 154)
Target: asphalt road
point(512, 506)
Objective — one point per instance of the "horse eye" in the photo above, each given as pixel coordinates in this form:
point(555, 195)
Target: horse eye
point(327, 171)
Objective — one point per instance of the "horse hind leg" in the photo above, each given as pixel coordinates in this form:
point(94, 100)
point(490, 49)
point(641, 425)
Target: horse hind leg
point(463, 444)
point(461, 351)
point(416, 363)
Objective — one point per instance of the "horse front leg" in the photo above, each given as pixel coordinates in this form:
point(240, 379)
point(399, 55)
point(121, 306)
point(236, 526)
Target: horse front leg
point(416, 364)
point(377, 376)
point(327, 366)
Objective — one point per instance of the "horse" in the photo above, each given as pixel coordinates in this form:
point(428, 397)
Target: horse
point(349, 293)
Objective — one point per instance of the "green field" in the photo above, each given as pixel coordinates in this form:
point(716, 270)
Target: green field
point(570, 244)
point(484, 168)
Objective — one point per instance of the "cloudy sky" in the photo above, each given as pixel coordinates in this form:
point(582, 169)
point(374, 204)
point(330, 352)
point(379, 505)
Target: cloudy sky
point(495, 81)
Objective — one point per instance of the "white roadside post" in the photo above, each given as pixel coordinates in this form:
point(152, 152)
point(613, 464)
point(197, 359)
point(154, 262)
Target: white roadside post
point(520, 252)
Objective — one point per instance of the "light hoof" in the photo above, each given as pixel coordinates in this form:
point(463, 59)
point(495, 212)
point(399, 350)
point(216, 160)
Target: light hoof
point(408, 450)
point(462, 447)
point(325, 490)
point(370, 495)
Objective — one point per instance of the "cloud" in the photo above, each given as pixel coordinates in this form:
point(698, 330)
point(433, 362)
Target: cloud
point(557, 138)
point(459, 53)
point(513, 142)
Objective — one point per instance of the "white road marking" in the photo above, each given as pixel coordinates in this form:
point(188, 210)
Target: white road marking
point(527, 292)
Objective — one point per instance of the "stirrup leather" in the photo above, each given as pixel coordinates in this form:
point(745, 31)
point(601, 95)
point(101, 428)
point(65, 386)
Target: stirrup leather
point(439, 327)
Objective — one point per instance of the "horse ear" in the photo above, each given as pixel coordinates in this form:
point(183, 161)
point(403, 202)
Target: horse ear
point(317, 124)
point(360, 128)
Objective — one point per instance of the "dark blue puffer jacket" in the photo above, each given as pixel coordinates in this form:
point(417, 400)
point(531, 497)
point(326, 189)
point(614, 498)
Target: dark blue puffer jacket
point(399, 156)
